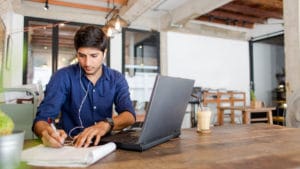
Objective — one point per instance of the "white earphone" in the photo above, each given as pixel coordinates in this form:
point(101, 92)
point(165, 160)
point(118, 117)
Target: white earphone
point(81, 104)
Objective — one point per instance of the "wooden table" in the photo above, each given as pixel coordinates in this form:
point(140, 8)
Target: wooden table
point(246, 112)
point(227, 147)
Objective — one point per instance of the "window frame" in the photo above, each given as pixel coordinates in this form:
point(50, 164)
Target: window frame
point(55, 43)
point(156, 33)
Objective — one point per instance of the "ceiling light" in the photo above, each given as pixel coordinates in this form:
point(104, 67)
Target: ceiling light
point(46, 7)
point(117, 22)
point(108, 30)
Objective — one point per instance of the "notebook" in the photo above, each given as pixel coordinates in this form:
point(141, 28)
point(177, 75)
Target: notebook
point(164, 116)
point(67, 156)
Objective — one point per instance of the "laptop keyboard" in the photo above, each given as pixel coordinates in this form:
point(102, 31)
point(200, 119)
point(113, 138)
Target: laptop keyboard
point(138, 124)
point(128, 136)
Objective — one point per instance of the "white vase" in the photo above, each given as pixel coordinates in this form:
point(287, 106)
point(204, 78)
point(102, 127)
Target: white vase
point(10, 149)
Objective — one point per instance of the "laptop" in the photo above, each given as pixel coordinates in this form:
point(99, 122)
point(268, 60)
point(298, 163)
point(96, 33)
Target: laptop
point(164, 116)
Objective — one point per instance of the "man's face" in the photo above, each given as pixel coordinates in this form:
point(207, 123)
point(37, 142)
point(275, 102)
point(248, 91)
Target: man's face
point(90, 59)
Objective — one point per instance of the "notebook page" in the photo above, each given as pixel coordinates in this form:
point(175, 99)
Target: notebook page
point(67, 156)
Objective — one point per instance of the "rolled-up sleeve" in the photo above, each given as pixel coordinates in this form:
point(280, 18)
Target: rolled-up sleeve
point(122, 98)
point(55, 95)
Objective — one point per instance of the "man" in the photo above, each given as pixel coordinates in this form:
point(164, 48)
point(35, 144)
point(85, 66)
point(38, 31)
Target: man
point(83, 94)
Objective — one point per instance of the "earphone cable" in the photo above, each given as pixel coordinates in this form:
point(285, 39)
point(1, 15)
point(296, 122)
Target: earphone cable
point(81, 104)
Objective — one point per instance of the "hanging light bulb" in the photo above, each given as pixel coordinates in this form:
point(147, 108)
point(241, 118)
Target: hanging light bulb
point(108, 30)
point(117, 22)
point(46, 7)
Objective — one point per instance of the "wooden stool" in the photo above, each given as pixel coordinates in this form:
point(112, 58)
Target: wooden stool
point(248, 111)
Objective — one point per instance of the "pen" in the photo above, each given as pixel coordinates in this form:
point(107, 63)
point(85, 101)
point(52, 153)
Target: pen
point(51, 123)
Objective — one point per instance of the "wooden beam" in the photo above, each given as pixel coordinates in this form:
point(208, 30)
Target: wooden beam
point(207, 18)
point(252, 11)
point(120, 2)
point(75, 5)
point(266, 3)
point(236, 16)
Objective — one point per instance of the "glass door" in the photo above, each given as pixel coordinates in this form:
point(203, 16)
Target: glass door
point(140, 64)
point(39, 52)
point(66, 50)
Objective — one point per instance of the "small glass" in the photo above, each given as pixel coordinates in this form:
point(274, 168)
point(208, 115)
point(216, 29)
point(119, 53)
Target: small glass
point(204, 118)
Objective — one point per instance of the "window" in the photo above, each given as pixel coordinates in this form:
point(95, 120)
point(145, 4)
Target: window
point(49, 46)
point(39, 52)
point(141, 63)
point(66, 52)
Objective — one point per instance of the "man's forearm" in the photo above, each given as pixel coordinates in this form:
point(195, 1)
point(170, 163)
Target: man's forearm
point(123, 120)
point(39, 127)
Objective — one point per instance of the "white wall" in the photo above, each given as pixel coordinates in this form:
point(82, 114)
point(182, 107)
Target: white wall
point(13, 63)
point(212, 62)
point(116, 52)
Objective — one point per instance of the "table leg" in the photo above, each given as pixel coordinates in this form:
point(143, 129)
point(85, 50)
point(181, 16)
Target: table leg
point(232, 117)
point(270, 117)
point(220, 117)
point(246, 117)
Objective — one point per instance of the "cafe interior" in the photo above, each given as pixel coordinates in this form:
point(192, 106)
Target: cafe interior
point(242, 54)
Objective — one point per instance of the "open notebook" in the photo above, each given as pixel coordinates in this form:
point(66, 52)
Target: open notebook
point(67, 156)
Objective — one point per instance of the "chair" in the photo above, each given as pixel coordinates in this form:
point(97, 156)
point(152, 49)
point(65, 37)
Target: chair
point(21, 110)
point(221, 98)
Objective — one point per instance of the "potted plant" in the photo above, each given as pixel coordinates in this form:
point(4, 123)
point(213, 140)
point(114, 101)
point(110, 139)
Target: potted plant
point(11, 143)
point(253, 101)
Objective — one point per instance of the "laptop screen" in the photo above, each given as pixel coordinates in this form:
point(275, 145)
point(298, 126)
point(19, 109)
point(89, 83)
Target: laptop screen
point(167, 107)
point(164, 116)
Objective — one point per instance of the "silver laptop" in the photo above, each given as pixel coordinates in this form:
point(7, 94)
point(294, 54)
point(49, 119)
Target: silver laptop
point(164, 116)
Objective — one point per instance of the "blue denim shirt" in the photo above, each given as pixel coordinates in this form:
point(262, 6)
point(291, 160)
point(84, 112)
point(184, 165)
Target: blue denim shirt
point(68, 89)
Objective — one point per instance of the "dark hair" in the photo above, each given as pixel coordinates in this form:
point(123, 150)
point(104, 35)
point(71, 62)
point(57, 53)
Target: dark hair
point(90, 36)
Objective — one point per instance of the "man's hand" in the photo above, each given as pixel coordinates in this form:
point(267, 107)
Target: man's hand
point(92, 135)
point(53, 138)
point(49, 136)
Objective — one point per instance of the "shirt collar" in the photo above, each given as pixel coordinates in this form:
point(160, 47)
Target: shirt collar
point(105, 72)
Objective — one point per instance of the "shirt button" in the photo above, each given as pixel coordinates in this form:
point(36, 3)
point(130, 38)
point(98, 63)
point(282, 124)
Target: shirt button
point(94, 107)
point(94, 90)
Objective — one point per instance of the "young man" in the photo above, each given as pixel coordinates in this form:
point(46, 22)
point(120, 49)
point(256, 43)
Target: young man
point(84, 94)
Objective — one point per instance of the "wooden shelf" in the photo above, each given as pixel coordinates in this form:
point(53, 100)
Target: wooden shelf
point(278, 118)
point(259, 119)
point(279, 101)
